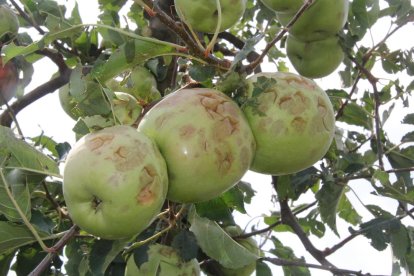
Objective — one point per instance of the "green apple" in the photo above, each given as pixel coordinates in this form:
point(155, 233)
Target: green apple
point(115, 182)
point(8, 81)
point(68, 103)
point(140, 83)
point(323, 19)
point(205, 140)
point(283, 6)
point(292, 120)
point(314, 59)
point(9, 24)
point(202, 15)
point(126, 108)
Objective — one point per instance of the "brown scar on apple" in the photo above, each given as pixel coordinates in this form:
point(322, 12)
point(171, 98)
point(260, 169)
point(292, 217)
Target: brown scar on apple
point(299, 124)
point(149, 177)
point(301, 81)
point(295, 104)
point(324, 113)
point(224, 161)
point(99, 141)
point(187, 131)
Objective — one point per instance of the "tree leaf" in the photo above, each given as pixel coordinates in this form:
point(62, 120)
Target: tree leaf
point(19, 188)
point(186, 244)
point(286, 252)
point(356, 115)
point(14, 236)
point(408, 119)
point(103, 253)
point(329, 197)
point(217, 244)
point(23, 156)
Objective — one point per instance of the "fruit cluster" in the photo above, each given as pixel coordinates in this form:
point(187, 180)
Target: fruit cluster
point(192, 146)
point(312, 45)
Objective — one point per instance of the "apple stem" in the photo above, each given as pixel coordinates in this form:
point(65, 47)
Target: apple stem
point(216, 32)
point(21, 213)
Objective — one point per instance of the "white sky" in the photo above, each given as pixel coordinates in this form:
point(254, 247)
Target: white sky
point(357, 255)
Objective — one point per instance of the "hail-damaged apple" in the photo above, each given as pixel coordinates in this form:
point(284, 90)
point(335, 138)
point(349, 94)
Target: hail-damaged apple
point(202, 15)
point(292, 120)
point(205, 140)
point(115, 182)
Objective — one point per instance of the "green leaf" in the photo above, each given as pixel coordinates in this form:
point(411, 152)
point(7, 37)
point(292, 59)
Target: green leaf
point(5, 262)
point(19, 188)
point(23, 156)
point(347, 212)
point(122, 59)
point(217, 244)
point(215, 209)
point(262, 269)
point(103, 253)
point(234, 199)
point(14, 236)
point(356, 115)
point(329, 197)
point(285, 252)
point(408, 119)
point(186, 244)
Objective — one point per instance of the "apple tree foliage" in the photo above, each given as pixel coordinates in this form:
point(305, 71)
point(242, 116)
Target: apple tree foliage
point(37, 236)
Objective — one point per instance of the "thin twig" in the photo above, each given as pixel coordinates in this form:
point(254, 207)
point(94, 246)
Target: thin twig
point(334, 270)
point(273, 225)
point(55, 249)
point(35, 94)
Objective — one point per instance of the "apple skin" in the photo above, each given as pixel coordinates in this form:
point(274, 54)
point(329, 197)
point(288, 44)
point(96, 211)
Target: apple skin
point(9, 24)
point(314, 59)
point(205, 140)
point(323, 19)
point(295, 125)
point(8, 81)
point(115, 182)
point(283, 6)
point(202, 15)
point(67, 102)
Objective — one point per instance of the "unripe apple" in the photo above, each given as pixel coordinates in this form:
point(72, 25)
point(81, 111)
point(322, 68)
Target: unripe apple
point(9, 24)
point(8, 81)
point(67, 102)
point(314, 59)
point(140, 83)
point(205, 140)
point(292, 121)
point(323, 19)
point(115, 182)
point(202, 15)
point(283, 6)
point(126, 108)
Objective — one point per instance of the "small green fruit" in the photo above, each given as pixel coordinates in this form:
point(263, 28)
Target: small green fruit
point(314, 59)
point(115, 182)
point(292, 121)
point(68, 103)
point(283, 6)
point(205, 140)
point(202, 15)
point(126, 108)
point(323, 19)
